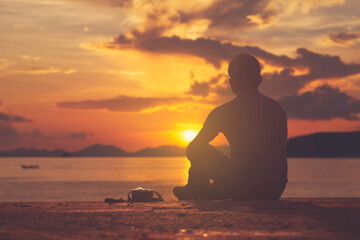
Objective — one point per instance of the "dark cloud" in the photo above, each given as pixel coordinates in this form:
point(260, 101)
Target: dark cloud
point(324, 103)
point(315, 65)
point(122, 103)
point(318, 66)
point(13, 118)
point(221, 88)
point(231, 14)
point(344, 37)
point(7, 130)
point(217, 85)
point(37, 134)
point(199, 89)
point(218, 78)
point(223, 91)
point(212, 51)
point(224, 14)
point(8, 134)
point(79, 135)
point(306, 66)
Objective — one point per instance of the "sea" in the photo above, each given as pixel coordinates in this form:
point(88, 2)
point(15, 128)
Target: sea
point(94, 179)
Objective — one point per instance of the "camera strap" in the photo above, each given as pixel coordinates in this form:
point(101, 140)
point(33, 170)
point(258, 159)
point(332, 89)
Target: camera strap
point(159, 198)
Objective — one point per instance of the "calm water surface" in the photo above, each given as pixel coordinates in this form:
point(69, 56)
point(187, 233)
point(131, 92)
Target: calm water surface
point(80, 179)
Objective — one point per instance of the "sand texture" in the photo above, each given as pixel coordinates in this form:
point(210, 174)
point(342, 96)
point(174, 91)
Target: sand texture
point(283, 219)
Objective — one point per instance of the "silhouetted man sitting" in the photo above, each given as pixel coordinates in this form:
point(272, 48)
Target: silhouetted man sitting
point(256, 128)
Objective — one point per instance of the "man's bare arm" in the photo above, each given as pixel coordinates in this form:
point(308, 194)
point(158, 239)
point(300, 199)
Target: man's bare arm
point(203, 138)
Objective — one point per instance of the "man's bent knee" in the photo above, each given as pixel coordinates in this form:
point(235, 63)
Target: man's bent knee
point(197, 152)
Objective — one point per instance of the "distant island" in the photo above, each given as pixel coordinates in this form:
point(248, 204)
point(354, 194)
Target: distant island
point(325, 145)
point(316, 145)
point(98, 150)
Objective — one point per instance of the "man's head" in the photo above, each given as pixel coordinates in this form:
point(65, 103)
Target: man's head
point(245, 74)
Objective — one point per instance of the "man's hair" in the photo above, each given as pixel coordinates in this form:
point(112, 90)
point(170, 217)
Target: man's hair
point(244, 71)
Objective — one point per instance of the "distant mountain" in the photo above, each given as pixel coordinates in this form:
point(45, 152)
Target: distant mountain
point(32, 152)
point(162, 151)
point(325, 144)
point(99, 150)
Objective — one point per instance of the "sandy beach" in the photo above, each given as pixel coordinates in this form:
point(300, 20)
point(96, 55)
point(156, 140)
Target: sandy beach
point(283, 219)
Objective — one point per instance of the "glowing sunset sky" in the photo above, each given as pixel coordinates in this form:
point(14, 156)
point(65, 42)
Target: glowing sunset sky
point(139, 73)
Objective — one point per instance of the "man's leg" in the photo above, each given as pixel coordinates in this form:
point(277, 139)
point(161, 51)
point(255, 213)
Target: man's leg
point(206, 163)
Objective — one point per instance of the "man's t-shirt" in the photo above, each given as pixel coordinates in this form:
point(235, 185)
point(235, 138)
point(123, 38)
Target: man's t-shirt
point(256, 128)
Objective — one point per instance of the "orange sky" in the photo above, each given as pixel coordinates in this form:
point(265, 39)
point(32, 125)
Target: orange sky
point(137, 73)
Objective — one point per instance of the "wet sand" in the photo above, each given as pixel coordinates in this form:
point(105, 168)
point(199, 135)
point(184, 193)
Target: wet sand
point(283, 219)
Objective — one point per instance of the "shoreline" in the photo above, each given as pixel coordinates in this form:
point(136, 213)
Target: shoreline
point(287, 218)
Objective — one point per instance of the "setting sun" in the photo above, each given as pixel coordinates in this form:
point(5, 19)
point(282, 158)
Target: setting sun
point(189, 135)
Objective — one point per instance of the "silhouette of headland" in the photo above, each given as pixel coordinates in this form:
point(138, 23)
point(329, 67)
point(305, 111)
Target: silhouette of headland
point(325, 145)
point(316, 145)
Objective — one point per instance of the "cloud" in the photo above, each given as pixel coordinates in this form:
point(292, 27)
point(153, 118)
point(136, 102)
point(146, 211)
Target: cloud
point(29, 57)
point(13, 118)
point(7, 67)
point(316, 65)
point(232, 14)
point(158, 32)
point(199, 89)
point(122, 103)
point(297, 6)
point(344, 37)
point(212, 51)
point(223, 91)
point(8, 134)
point(214, 91)
point(324, 103)
point(110, 3)
point(7, 130)
point(79, 135)
point(227, 15)
point(37, 134)
point(35, 70)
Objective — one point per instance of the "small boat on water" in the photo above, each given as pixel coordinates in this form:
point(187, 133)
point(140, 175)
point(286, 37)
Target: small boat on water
point(30, 166)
